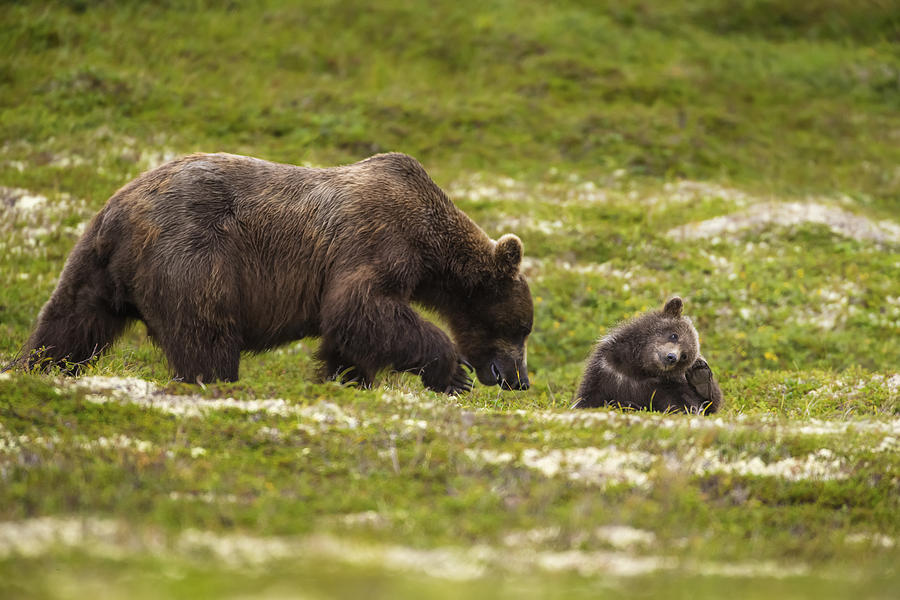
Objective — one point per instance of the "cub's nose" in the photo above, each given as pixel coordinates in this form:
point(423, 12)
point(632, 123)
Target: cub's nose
point(671, 358)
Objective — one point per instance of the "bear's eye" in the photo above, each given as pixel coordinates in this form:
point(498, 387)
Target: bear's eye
point(524, 331)
point(674, 337)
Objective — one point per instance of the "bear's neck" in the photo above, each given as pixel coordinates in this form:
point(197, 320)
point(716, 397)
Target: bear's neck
point(461, 255)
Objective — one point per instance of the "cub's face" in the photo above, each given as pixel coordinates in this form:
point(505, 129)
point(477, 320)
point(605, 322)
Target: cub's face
point(492, 330)
point(673, 345)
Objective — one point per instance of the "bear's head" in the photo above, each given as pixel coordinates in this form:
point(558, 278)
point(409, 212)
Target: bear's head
point(670, 343)
point(492, 325)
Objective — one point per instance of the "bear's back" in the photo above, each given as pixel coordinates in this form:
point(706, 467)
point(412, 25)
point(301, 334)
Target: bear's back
point(204, 195)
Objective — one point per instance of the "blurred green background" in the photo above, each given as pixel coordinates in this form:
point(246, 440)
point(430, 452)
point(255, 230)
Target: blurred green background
point(590, 129)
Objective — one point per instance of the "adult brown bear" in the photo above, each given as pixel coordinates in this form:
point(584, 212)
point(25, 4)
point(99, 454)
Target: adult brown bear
point(219, 254)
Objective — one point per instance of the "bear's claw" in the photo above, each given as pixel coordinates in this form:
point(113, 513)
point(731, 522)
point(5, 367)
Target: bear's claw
point(460, 382)
point(700, 378)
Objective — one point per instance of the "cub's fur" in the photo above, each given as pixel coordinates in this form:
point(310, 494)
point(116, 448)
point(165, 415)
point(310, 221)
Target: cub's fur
point(652, 362)
point(219, 254)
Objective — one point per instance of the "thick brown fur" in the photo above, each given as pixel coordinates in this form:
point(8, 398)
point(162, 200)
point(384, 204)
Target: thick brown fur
point(652, 362)
point(219, 254)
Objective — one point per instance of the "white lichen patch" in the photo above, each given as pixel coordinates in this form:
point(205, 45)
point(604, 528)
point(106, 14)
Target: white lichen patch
point(491, 457)
point(544, 226)
point(244, 550)
point(841, 299)
point(532, 537)
point(325, 416)
point(888, 443)
point(118, 442)
point(611, 465)
point(49, 536)
point(831, 307)
point(619, 418)
point(765, 215)
point(482, 187)
point(368, 518)
point(408, 426)
point(41, 536)
point(686, 191)
point(848, 387)
point(26, 217)
point(16, 444)
point(270, 433)
point(624, 537)
point(875, 540)
point(593, 466)
point(130, 387)
point(821, 465)
point(195, 406)
point(767, 569)
point(631, 276)
point(413, 400)
point(605, 420)
point(235, 550)
point(315, 418)
point(205, 497)
point(150, 159)
point(620, 537)
point(12, 444)
point(21, 202)
point(589, 564)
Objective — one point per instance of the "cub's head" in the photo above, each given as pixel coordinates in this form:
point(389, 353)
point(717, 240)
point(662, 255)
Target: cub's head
point(672, 344)
point(491, 326)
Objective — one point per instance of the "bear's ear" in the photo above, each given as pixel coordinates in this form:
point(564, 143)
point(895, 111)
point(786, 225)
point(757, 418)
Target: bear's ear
point(673, 307)
point(508, 254)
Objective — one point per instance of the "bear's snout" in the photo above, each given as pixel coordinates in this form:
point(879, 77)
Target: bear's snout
point(666, 356)
point(510, 377)
point(521, 384)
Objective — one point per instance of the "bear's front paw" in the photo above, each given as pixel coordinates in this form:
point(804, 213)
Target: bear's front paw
point(700, 378)
point(460, 381)
point(451, 379)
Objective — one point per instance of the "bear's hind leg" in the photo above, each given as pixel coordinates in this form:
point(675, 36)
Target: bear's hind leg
point(201, 354)
point(72, 329)
point(336, 366)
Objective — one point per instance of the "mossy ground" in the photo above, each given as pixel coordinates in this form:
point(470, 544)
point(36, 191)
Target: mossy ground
point(600, 134)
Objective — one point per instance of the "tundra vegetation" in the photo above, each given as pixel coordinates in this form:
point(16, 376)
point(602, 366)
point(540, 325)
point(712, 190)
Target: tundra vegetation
point(742, 155)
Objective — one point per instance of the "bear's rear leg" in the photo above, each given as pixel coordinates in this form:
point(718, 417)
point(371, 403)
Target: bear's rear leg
point(338, 367)
point(72, 329)
point(201, 354)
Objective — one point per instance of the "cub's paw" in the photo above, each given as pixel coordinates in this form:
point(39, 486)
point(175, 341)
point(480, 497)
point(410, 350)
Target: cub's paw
point(700, 378)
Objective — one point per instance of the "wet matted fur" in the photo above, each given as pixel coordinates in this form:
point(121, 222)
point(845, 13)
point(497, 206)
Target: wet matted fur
point(219, 254)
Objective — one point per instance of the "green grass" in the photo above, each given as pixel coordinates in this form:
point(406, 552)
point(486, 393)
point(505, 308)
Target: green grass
point(590, 130)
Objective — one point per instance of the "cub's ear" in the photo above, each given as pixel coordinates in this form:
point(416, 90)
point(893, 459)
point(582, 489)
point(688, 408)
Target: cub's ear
point(673, 307)
point(508, 254)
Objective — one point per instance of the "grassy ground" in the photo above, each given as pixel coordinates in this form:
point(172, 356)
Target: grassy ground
point(740, 154)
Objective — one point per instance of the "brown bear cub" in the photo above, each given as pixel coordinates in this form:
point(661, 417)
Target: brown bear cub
point(219, 254)
point(652, 362)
